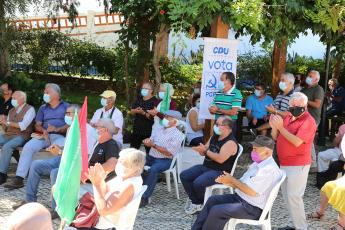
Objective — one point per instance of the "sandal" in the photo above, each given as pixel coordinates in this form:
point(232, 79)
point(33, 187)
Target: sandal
point(337, 227)
point(315, 216)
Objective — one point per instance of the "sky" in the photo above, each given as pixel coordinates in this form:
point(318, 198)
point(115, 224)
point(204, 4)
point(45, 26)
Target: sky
point(305, 45)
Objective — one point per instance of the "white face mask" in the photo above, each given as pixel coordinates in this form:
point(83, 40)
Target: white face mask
point(119, 169)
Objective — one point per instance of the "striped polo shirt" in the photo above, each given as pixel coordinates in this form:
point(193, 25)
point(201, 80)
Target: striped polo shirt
point(227, 101)
point(282, 101)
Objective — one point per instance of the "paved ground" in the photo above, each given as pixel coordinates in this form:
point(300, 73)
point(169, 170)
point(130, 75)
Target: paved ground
point(166, 212)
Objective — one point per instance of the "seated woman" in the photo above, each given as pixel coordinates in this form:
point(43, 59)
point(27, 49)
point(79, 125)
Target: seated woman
point(195, 126)
point(114, 198)
point(333, 192)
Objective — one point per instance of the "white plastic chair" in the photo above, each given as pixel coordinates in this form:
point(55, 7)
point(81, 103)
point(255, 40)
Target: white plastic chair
point(265, 218)
point(221, 187)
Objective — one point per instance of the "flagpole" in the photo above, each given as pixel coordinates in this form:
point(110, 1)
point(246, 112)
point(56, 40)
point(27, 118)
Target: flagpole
point(62, 225)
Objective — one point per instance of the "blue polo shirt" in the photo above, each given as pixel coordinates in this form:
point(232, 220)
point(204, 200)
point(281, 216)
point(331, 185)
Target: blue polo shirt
point(52, 116)
point(258, 106)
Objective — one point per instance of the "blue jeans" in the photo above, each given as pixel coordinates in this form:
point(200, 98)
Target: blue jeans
point(219, 209)
point(32, 147)
point(196, 179)
point(157, 165)
point(8, 146)
point(38, 169)
point(53, 177)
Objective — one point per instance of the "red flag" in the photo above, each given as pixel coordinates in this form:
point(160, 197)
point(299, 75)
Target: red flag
point(83, 141)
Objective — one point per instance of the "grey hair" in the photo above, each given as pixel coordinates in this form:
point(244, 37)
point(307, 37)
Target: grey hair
point(54, 87)
point(289, 76)
point(134, 157)
point(75, 107)
point(317, 74)
point(108, 124)
point(22, 94)
point(299, 96)
point(226, 121)
point(166, 85)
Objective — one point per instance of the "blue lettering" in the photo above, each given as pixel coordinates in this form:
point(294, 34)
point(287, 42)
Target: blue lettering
point(223, 65)
point(220, 50)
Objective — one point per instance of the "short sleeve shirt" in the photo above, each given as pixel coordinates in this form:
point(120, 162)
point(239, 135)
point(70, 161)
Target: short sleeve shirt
point(303, 127)
point(257, 106)
point(104, 152)
point(143, 125)
point(314, 93)
point(227, 101)
point(5, 107)
point(52, 116)
point(282, 101)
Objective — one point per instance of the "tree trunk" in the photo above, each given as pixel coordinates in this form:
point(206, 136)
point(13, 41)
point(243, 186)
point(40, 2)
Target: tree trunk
point(337, 65)
point(278, 63)
point(4, 55)
point(160, 49)
point(144, 54)
point(126, 71)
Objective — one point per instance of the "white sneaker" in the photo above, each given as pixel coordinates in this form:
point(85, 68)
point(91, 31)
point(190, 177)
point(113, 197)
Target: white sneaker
point(187, 205)
point(193, 208)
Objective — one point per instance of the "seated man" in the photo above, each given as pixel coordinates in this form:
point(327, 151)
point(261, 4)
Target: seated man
point(43, 167)
point(50, 127)
point(336, 98)
point(6, 105)
point(324, 158)
point(18, 127)
point(220, 154)
point(110, 111)
point(256, 107)
point(251, 191)
point(165, 142)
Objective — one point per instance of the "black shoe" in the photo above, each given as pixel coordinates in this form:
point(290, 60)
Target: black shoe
point(19, 204)
point(3, 178)
point(54, 214)
point(143, 202)
point(286, 228)
point(15, 183)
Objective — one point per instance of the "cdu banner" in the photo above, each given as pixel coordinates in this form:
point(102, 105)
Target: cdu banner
point(220, 55)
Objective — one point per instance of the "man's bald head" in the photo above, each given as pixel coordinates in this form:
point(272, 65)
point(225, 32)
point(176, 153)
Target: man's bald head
point(30, 216)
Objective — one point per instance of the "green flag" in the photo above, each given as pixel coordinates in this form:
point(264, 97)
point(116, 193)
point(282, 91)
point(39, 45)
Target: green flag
point(68, 179)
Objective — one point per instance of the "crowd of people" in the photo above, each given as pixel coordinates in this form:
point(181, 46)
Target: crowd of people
point(284, 130)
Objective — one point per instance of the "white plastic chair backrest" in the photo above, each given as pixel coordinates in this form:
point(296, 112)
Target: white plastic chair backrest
point(174, 160)
point(134, 206)
point(240, 150)
point(272, 197)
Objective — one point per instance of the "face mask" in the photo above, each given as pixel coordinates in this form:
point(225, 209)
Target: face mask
point(216, 130)
point(46, 98)
point(161, 95)
point(282, 86)
point(257, 93)
point(14, 103)
point(68, 120)
point(196, 90)
point(144, 92)
point(221, 85)
point(119, 169)
point(309, 81)
point(197, 105)
point(296, 111)
point(255, 157)
point(94, 134)
point(165, 122)
point(103, 102)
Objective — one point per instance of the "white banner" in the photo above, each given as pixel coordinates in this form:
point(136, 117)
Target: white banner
point(220, 55)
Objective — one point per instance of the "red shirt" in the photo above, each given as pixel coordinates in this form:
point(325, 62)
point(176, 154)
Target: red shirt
point(303, 127)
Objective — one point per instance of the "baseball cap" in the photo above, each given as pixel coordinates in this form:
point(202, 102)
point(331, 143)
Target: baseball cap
point(263, 141)
point(174, 114)
point(108, 93)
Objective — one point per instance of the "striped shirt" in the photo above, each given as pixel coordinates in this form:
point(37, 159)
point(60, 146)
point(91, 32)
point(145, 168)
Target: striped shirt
point(169, 138)
point(227, 101)
point(260, 177)
point(282, 101)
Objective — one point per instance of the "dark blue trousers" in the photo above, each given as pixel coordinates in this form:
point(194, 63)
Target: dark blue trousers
point(219, 209)
point(196, 179)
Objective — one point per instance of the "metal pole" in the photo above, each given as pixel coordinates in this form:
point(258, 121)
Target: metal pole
point(322, 127)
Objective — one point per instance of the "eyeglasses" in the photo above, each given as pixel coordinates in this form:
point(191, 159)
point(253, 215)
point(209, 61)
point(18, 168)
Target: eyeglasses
point(68, 113)
point(146, 88)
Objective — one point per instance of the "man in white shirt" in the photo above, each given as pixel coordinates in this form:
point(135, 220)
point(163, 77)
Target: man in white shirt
point(109, 110)
point(18, 126)
point(251, 191)
point(165, 144)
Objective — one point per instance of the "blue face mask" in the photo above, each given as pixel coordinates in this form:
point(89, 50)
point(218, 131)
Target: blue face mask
point(197, 105)
point(165, 122)
point(68, 120)
point(144, 92)
point(14, 103)
point(221, 85)
point(216, 130)
point(309, 80)
point(257, 93)
point(103, 102)
point(95, 134)
point(161, 95)
point(46, 98)
point(282, 86)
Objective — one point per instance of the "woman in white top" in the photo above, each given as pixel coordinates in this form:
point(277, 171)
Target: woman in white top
point(115, 200)
point(194, 125)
